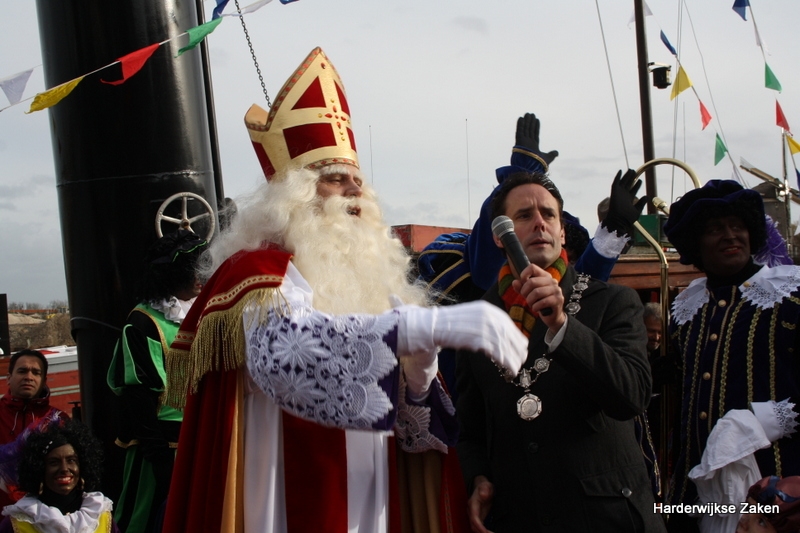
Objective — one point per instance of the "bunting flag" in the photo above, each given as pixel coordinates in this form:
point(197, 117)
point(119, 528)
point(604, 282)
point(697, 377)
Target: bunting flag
point(198, 33)
point(667, 44)
point(14, 86)
point(719, 151)
point(759, 41)
point(705, 116)
point(217, 13)
point(780, 118)
point(647, 13)
point(770, 81)
point(133, 63)
point(740, 6)
point(682, 82)
point(255, 6)
point(794, 146)
point(53, 96)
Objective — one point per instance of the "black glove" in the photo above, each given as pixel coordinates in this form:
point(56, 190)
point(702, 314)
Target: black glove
point(623, 207)
point(527, 135)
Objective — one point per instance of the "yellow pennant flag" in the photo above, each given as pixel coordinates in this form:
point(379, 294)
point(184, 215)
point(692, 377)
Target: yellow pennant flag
point(794, 146)
point(53, 96)
point(682, 82)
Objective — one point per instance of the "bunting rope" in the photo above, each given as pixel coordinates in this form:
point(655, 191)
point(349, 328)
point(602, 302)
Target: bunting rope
point(683, 82)
point(14, 86)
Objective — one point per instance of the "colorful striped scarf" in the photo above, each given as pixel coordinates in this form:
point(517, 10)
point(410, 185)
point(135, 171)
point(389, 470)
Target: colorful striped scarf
point(516, 306)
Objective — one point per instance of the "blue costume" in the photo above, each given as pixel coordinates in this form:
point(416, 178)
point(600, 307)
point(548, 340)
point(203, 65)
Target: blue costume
point(736, 333)
point(740, 344)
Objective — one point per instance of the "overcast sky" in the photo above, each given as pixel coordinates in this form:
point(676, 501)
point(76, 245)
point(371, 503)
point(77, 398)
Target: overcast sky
point(435, 89)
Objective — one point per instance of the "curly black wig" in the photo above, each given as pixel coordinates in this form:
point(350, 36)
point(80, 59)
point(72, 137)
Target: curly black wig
point(169, 266)
point(39, 444)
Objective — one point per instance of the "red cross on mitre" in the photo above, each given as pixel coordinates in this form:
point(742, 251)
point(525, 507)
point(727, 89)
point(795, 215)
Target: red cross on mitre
point(309, 123)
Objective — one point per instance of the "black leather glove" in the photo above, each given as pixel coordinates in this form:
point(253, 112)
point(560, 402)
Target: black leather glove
point(623, 208)
point(527, 135)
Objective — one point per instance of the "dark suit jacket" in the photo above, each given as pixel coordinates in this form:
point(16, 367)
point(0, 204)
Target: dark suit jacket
point(577, 467)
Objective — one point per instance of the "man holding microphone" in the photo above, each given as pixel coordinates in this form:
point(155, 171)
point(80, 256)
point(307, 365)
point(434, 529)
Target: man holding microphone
point(552, 448)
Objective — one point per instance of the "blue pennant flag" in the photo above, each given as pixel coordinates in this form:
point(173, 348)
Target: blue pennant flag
point(666, 43)
point(798, 176)
point(218, 10)
point(740, 6)
point(287, 1)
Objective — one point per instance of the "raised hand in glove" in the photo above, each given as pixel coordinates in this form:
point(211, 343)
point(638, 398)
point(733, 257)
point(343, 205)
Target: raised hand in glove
point(477, 326)
point(623, 208)
point(527, 137)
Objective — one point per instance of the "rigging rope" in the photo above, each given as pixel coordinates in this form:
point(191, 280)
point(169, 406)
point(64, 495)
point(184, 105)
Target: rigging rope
point(613, 90)
point(736, 172)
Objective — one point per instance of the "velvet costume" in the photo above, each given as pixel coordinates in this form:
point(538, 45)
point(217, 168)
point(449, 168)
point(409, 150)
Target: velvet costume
point(577, 467)
point(252, 353)
point(149, 430)
point(735, 352)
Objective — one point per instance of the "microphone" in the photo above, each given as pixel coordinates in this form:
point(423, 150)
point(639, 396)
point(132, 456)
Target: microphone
point(503, 229)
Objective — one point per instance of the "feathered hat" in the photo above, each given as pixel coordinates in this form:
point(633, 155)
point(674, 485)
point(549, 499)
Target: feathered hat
point(308, 125)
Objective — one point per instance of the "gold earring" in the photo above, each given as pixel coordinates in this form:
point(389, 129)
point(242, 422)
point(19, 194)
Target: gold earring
point(41, 488)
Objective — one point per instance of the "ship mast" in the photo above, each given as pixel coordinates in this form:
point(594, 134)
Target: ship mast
point(648, 144)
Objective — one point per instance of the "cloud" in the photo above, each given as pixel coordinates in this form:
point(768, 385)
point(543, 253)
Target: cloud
point(475, 24)
point(31, 188)
point(32, 267)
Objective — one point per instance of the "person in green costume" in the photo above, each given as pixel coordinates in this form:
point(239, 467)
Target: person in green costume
point(149, 429)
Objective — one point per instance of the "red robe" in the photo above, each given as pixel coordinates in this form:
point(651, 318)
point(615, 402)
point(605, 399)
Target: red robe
point(206, 362)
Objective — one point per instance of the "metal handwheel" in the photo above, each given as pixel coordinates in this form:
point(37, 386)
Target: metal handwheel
point(185, 222)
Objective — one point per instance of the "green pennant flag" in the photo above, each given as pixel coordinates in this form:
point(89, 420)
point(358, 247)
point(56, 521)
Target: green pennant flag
point(198, 33)
point(719, 151)
point(770, 81)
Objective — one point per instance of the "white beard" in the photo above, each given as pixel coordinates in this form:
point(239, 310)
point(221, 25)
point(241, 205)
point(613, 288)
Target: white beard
point(353, 264)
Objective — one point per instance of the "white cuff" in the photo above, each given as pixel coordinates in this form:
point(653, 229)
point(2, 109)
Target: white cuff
point(419, 376)
point(415, 329)
point(777, 418)
point(608, 243)
point(553, 340)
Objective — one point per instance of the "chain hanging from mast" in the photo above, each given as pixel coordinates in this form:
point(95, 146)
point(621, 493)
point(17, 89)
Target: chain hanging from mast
point(253, 54)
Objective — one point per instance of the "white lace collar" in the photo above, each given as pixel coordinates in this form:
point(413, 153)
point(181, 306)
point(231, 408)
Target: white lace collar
point(764, 289)
point(173, 309)
point(50, 520)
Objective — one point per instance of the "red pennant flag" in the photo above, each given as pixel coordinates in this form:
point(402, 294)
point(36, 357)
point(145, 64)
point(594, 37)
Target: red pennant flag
point(133, 63)
point(705, 116)
point(780, 118)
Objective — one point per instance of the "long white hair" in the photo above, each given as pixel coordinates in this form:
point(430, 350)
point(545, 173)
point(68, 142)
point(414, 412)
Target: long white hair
point(353, 264)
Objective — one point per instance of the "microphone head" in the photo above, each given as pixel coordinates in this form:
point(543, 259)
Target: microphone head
point(502, 225)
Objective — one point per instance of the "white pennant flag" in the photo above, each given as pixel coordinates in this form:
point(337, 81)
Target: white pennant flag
point(249, 9)
point(759, 42)
point(14, 86)
point(647, 13)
